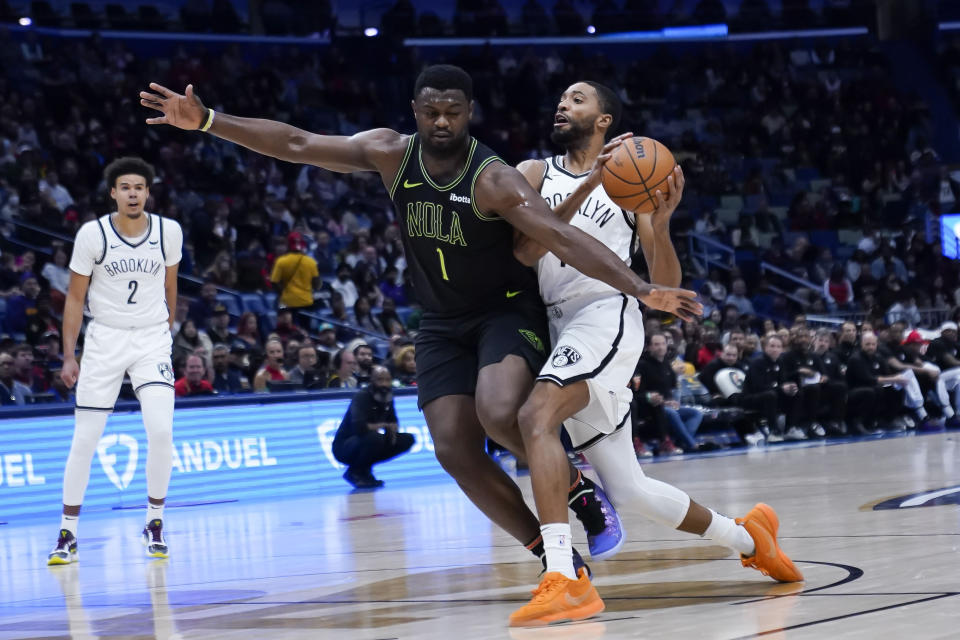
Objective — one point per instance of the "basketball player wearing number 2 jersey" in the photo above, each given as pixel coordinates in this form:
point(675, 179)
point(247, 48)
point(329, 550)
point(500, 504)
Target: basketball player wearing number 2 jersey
point(125, 266)
point(483, 335)
point(597, 337)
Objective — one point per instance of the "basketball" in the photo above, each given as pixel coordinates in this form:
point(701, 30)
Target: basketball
point(634, 172)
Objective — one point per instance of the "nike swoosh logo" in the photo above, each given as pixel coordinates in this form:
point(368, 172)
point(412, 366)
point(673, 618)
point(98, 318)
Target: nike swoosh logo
point(409, 185)
point(771, 544)
point(578, 600)
point(154, 242)
point(114, 246)
point(511, 294)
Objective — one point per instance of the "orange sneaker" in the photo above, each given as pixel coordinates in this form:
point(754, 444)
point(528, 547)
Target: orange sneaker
point(559, 598)
point(762, 523)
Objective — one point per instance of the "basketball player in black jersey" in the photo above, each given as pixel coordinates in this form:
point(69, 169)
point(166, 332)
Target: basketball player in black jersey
point(483, 336)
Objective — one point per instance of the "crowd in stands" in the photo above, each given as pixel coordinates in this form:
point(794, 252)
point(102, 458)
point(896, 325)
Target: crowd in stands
point(797, 383)
point(837, 147)
point(470, 18)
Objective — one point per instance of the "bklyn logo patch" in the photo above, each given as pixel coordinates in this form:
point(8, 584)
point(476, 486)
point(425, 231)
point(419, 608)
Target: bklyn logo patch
point(165, 371)
point(109, 460)
point(533, 339)
point(565, 356)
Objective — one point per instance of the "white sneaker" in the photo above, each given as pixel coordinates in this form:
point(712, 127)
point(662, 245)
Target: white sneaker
point(774, 438)
point(154, 541)
point(818, 430)
point(754, 439)
point(795, 433)
point(66, 550)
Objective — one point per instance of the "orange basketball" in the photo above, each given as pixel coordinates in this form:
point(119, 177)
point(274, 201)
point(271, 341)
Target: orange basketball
point(634, 173)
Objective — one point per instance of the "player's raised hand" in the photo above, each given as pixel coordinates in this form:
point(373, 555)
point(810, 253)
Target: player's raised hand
point(665, 206)
point(69, 372)
point(595, 172)
point(680, 302)
point(182, 111)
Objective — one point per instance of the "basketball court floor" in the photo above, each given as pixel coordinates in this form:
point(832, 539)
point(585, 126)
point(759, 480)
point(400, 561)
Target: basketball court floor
point(872, 524)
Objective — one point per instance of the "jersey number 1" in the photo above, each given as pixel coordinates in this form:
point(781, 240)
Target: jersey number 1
point(443, 266)
point(133, 291)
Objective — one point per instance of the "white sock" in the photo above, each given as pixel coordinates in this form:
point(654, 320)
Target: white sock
point(154, 511)
point(728, 533)
point(558, 545)
point(88, 427)
point(69, 523)
point(156, 403)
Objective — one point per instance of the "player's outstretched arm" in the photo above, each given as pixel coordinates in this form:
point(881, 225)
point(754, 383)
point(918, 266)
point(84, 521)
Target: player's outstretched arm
point(526, 250)
point(366, 151)
point(72, 319)
point(504, 191)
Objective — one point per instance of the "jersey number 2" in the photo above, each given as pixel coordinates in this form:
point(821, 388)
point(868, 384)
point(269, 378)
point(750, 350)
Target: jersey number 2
point(133, 291)
point(443, 266)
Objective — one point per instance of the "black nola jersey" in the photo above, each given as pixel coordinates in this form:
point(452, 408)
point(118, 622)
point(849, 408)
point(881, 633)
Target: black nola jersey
point(460, 259)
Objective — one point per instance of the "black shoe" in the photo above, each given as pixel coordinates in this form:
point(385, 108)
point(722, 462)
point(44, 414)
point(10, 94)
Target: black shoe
point(708, 446)
point(370, 478)
point(359, 480)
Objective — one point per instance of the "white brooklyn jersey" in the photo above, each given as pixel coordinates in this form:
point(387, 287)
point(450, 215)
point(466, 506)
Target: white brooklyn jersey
point(127, 275)
point(599, 217)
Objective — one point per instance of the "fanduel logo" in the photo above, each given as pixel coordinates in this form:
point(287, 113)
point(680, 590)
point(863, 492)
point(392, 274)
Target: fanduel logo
point(327, 430)
point(109, 460)
point(16, 470)
point(455, 198)
point(210, 455)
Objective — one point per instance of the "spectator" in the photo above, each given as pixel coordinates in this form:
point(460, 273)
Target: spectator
point(344, 370)
point(837, 289)
point(659, 382)
point(765, 373)
point(369, 433)
point(363, 319)
point(888, 264)
point(738, 298)
point(57, 275)
point(272, 369)
point(327, 339)
point(286, 329)
point(187, 341)
point(219, 329)
point(724, 378)
point(248, 331)
point(847, 342)
point(227, 379)
point(192, 383)
point(392, 287)
point(54, 193)
point(324, 254)
point(405, 365)
point(389, 319)
point(306, 372)
point(345, 286)
point(710, 348)
point(202, 308)
point(815, 395)
point(19, 307)
point(223, 271)
point(364, 355)
point(11, 391)
point(887, 392)
point(295, 275)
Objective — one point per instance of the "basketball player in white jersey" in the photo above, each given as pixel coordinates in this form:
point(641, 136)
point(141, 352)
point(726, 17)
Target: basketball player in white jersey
point(125, 266)
point(597, 337)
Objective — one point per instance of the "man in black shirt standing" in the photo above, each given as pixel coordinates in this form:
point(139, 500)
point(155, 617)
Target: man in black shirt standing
point(483, 335)
point(369, 432)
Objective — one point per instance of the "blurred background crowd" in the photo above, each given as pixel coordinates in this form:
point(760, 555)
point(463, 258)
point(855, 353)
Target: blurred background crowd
point(816, 170)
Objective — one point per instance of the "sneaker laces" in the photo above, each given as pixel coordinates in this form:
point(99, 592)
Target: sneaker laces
point(548, 588)
point(156, 531)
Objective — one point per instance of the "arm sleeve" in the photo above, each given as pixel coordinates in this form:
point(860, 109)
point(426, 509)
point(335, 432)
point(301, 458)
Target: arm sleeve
point(172, 242)
point(360, 411)
point(87, 249)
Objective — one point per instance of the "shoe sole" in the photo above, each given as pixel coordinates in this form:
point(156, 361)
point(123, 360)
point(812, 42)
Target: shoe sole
point(771, 523)
point(55, 561)
point(584, 611)
point(612, 551)
point(155, 554)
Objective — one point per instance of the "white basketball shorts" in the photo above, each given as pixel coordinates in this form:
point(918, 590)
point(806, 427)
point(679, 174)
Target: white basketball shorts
point(600, 342)
point(109, 354)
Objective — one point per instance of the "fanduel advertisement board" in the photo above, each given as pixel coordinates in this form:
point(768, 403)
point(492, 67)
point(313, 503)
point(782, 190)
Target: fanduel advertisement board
point(221, 452)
